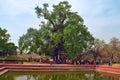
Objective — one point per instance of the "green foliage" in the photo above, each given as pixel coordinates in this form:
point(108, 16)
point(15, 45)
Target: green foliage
point(76, 35)
point(6, 78)
point(6, 47)
point(35, 41)
point(67, 28)
point(29, 42)
point(64, 31)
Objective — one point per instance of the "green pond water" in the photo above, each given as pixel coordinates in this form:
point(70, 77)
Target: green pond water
point(58, 75)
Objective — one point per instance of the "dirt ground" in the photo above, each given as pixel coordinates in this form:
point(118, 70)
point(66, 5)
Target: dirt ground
point(116, 65)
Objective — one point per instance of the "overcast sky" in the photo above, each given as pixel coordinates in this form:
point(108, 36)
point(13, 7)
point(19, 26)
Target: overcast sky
point(102, 17)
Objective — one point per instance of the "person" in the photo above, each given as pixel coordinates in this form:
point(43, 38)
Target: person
point(101, 61)
point(110, 63)
point(78, 62)
point(82, 61)
point(40, 61)
point(51, 61)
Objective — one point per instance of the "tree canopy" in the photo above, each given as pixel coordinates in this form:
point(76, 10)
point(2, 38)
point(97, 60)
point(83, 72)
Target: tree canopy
point(6, 47)
point(68, 32)
point(62, 32)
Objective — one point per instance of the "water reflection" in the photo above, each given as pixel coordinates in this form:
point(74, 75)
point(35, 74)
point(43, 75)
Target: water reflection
point(71, 76)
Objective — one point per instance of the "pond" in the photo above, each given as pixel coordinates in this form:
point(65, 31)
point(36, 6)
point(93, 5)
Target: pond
point(56, 75)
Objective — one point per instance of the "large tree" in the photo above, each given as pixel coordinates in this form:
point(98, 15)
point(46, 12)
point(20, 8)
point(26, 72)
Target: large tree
point(62, 32)
point(6, 47)
point(68, 32)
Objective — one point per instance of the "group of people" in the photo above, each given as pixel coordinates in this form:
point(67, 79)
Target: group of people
point(75, 61)
point(88, 62)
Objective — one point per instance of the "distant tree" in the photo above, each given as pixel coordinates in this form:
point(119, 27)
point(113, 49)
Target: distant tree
point(29, 43)
point(111, 51)
point(6, 47)
point(68, 34)
point(106, 52)
point(115, 48)
point(98, 47)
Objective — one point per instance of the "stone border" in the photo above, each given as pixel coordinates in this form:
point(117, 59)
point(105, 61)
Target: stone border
point(57, 67)
point(43, 67)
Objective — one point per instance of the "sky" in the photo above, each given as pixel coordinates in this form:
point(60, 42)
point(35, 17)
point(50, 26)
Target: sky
point(102, 17)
